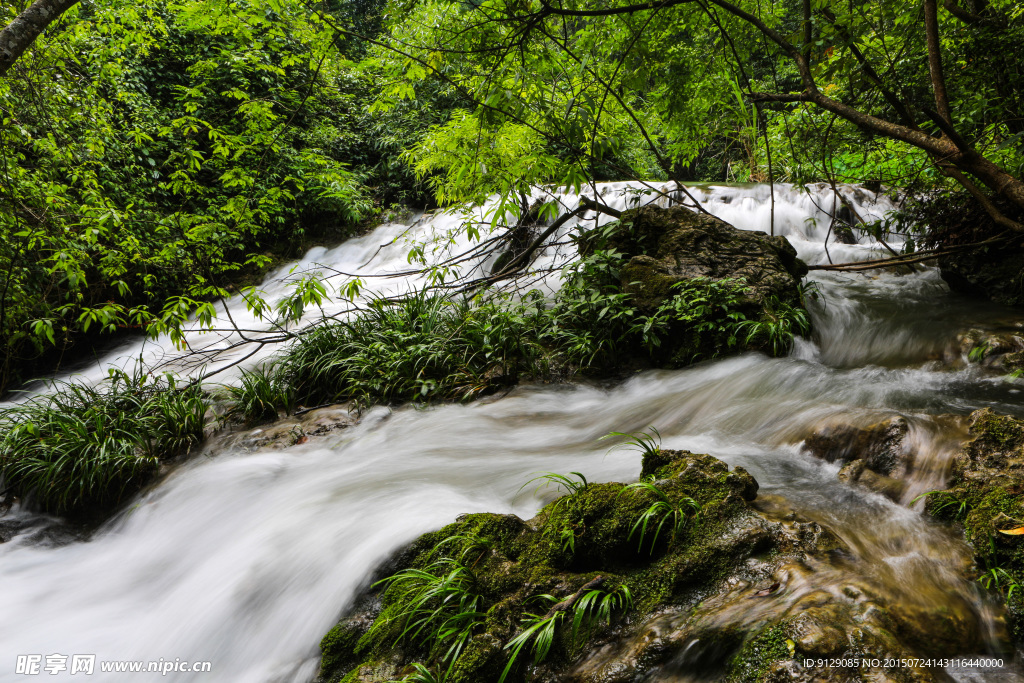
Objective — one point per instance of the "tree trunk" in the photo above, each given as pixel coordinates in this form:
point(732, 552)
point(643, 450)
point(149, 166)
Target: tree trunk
point(26, 27)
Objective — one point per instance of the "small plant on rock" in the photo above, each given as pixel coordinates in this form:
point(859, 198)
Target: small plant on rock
point(588, 608)
point(562, 481)
point(781, 324)
point(421, 674)
point(663, 511)
point(437, 608)
point(646, 443)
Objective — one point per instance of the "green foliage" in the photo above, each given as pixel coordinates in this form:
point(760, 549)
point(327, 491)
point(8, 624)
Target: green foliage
point(646, 443)
point(662, 511)
point(420, 348)
point(781, 322)
point(427, 346)
point(82, 447)
point(539, 630)
point(944, 503)
point(594, 322)
point(559, 481)
point(261, 395)
point(152, 153)
point(1001, 581)
point(421, 674)
point(471, 544)
point(437, 608)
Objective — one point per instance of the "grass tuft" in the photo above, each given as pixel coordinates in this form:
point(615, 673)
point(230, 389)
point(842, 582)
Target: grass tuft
point(89, 446)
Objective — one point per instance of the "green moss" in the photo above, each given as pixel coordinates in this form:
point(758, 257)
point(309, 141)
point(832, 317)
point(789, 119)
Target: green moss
point(995, 432)
point(755, 660)
point(985, 496)
point(482, 660)
point(338, 648)
point(513, 562)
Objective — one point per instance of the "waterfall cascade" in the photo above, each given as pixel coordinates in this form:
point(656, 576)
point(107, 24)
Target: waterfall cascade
point(246, 558)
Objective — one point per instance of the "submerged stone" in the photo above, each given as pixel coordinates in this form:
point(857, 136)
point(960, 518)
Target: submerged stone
point(881, 446)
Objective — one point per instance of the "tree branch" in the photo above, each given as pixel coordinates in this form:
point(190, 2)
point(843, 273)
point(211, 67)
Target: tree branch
point(931, 29)
point(627, 9)
point(960, 13)
point(26, 27)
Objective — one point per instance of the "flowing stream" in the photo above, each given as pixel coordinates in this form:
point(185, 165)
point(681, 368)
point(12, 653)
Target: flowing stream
point(245, 558)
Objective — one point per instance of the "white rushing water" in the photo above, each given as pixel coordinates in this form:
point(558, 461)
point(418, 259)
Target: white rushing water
point(246, 558)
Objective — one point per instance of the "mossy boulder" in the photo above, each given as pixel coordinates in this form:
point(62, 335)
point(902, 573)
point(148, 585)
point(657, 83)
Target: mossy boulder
point(666, 246)
point(721, 581)
point(986, 495)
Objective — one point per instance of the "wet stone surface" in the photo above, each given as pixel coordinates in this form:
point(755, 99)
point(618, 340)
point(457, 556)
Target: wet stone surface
point(748, 591)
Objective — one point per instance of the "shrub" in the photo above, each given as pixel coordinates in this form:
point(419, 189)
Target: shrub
point(420, 348)
point(85, 446)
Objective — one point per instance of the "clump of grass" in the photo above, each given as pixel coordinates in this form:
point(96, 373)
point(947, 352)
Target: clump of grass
point(1000, 580)
point(664, 510)
point(421, 674)
point(424, 347)
point(437, 608)
point(89, 446)
point(262, 395)
point(539, 630)
point(646, 443)
point(560, 481)
point(777, 329)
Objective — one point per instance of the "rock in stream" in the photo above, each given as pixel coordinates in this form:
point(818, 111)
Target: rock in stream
point(742, 589)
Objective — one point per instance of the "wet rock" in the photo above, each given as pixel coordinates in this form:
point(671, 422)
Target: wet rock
point(1001, 348)
point(742, 588)
point(989, 272)
point(320, 421)
point(295, 430)
point(882, 446)
point(986, 496)
point(671, 245)
point(858, 472)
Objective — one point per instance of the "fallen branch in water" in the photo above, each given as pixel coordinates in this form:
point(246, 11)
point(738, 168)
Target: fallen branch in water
point(907, 259)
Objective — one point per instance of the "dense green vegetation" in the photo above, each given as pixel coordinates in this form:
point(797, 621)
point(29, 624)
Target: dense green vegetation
point(156, 155)
point(84, 449)
point(430, 347)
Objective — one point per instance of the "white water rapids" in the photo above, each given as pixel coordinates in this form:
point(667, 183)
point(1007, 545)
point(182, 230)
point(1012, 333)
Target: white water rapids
point(245, 559)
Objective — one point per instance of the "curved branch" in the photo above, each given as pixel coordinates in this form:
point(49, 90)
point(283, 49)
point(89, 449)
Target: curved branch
point(960, 13)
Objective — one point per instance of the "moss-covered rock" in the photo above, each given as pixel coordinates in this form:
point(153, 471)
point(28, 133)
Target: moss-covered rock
point(985, 496)
point(666, 246)
point(718, 580)
point(1000, 347)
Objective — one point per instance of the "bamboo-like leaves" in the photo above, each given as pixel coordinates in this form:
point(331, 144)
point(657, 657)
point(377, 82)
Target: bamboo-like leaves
point(93, 444)
point(663, 511)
